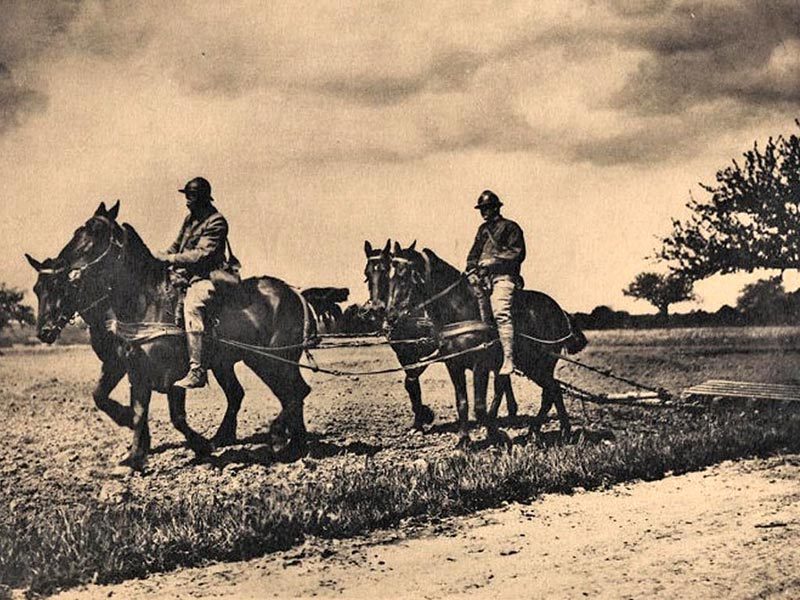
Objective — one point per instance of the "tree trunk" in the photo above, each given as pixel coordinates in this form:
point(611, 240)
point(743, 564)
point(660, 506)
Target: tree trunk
point(663, 313)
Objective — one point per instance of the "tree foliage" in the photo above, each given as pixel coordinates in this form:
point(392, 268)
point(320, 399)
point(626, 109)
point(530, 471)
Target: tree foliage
point(750, 220)
point(766, 301)
point(660, 290)
point(11, 307)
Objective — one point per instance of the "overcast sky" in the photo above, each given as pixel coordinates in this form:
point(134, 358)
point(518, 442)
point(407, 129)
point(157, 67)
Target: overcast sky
point(324, 124)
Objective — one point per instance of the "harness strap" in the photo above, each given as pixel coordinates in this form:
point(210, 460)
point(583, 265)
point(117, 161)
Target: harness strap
point(410, 367)
point(308, 311)
point(142, 332)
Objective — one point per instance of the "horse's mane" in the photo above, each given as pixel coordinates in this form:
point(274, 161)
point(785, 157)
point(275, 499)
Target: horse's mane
point(441, 265)
point(150, 265)
point(136, 242)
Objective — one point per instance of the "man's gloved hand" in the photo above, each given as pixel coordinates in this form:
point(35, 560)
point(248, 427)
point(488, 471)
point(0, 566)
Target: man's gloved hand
point(473, 279)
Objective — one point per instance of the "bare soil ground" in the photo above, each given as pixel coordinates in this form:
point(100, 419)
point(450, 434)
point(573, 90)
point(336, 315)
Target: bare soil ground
point(58, 449)
point(731, 531)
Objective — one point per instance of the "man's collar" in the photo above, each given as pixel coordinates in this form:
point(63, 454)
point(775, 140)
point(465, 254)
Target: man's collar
point(201, 212)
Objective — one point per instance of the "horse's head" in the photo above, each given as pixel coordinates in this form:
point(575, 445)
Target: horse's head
point(50, 289)
point(74, 280)
point(407, 282)
point(376, 275)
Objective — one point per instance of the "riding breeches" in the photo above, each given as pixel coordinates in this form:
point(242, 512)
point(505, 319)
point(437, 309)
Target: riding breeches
point(198, 296)
point(503, 287)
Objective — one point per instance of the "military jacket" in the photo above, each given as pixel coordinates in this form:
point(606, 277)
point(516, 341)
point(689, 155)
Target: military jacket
point(199, 248)
point(499, 248)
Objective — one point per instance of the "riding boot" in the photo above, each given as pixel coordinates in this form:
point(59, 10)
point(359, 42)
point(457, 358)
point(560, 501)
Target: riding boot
point(196, 377)
point(506, 334)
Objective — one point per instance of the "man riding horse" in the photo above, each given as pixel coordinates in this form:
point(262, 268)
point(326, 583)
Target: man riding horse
point(198, 251)
point(494, 262)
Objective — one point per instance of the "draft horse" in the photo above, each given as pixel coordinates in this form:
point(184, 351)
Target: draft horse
point(422, 279)
point(52, 317)
point(108, 262)
point(376, 275)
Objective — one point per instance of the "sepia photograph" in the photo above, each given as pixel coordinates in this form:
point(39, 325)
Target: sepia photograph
point(400, 299)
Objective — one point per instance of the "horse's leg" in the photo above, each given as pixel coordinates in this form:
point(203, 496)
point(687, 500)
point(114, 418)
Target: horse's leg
point(234, 392)
point(458, 377)
point(511, 400)
point(480, 379)
point(536, 422)
point(494, 434)
point(563, 417)
point(176, 400)
point(423, 415)
point(502, 387)
point(111, 372)
point(140, 402)
point(290, 388)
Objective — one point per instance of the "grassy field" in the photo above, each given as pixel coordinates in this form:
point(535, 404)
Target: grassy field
point(65, 518)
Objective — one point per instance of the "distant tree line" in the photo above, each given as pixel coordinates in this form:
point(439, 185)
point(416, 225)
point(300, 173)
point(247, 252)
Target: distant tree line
point(764, 302)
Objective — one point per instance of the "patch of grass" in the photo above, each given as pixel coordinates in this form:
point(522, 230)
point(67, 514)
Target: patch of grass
point(103, 543)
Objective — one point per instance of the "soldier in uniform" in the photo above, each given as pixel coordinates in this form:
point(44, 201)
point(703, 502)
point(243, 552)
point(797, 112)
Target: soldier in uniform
point(198, 251)
point(495, 258)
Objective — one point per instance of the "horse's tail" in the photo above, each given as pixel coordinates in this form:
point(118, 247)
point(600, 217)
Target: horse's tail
point(577, 341)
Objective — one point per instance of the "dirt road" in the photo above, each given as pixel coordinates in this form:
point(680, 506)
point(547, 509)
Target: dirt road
point(731, 531)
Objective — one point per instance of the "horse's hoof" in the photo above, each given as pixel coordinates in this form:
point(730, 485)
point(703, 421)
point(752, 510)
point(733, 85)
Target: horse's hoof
point(426, 415)
point(291, 451)
point(134, 463)
point(481, 416)
point(534, 436)
point(222, 440)
point(512, 411)
point(202, 449)
point(298, 448)
point(417, 427)
point(464, 443)
point(500, 438)
point(566, 435)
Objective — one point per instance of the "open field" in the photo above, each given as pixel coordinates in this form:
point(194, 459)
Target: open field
point(68, 516)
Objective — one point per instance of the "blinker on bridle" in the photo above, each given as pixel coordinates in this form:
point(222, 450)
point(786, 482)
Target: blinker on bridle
point(74, 274)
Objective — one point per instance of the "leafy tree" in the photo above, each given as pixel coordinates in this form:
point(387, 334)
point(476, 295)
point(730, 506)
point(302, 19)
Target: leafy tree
point(765, 301)
point(11, 307)
point(751, 219)
point(660, 290)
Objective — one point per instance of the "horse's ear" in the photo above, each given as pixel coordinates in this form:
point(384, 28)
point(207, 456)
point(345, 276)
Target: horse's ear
point(367, 248)
point(113, 211)
point(387, 247)
point(413, 245)
point(33, 262)
point(101, 210)
point(397, 248)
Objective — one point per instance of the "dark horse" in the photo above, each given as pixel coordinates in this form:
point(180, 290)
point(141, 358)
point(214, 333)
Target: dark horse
point(376, 273)
point(50, 283)
point(424, 278)
point(109, 262)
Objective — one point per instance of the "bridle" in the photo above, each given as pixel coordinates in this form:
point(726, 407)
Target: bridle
point(378, 262)
point(76, 273)
point(421, 281)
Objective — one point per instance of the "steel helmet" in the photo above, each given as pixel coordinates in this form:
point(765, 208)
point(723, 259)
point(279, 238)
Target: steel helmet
point(488, 198)
point(199, 186)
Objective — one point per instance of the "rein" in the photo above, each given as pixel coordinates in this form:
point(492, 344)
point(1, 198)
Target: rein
point(75, 273)
point(436, 296)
